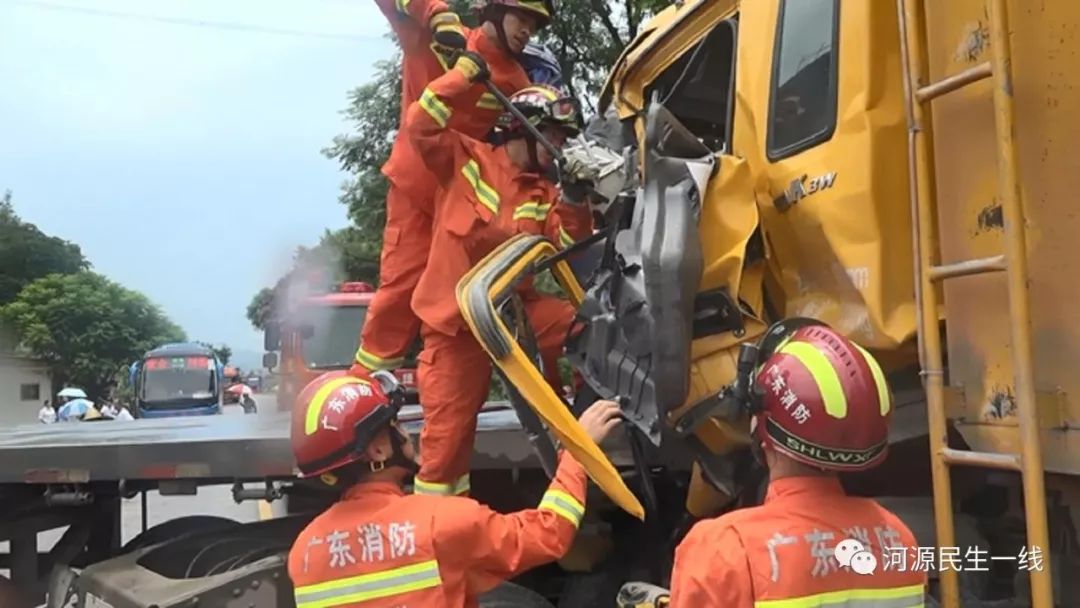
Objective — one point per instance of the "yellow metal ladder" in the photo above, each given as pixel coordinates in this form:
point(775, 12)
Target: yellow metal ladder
point(919, 92)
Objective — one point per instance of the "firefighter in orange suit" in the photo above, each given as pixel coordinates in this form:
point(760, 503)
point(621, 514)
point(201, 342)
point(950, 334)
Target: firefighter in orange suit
point(380, 548)
point(429, 32)
point(487, 193)
point(821, 406)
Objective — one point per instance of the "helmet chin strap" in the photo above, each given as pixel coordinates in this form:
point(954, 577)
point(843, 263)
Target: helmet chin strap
point(397, 455)
point(758, 452)
point(498, 19)
point(534, 157)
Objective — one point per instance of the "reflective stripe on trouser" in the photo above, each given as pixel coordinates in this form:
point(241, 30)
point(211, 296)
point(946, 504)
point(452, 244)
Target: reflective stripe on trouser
point(458, 488)
point(893, 597)
point(369, 586)
point(391, 327)
point(454, 376)
point(564, 505)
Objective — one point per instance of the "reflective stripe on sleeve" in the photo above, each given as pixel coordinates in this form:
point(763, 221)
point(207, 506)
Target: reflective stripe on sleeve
point(487, 101)
point(564, 505)
point(433, 488)
point(565, 240)
point(463, 485)
point(892, 597)
point(532, 210)
point(487, 195)
point(371, 586)
point(436, 109)
point(375, 362)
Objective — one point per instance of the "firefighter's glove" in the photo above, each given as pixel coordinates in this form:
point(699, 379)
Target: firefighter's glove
point(642, 595)
point(448, 33)
point(472, 66)
point(576, 191)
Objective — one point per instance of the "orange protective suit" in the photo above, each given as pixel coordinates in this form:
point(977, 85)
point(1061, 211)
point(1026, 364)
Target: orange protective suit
point(391, 326)
point(783, 553)
point(380, 548)
point(483, 200)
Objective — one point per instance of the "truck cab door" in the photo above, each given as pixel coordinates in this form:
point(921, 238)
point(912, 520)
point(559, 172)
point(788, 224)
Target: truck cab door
point(824, 97)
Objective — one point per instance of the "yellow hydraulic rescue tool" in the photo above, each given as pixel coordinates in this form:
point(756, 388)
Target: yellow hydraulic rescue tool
point(480, 293)
point(931, 272)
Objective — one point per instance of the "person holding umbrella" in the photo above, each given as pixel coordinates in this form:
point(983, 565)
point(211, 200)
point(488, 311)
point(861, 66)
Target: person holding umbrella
point(244, 395)
point(73, 404)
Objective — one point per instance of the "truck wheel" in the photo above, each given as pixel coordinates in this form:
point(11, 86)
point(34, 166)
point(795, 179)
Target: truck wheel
point(509, 595)
point(178, 527)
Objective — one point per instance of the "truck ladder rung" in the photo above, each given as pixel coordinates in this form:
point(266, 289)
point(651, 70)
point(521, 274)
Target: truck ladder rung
point(967, 268)
point(956, 81)
point(1007, 462)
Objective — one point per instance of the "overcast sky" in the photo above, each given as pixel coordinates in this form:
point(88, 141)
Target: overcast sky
point(177, 141)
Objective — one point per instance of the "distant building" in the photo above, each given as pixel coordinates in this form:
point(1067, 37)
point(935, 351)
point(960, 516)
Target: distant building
point(24, 386)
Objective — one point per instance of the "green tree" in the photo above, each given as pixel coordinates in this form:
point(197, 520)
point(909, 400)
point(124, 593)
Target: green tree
point(27, 254)
point(373, 112)
point(223, 352)
point(260, 308)
point(86, 327)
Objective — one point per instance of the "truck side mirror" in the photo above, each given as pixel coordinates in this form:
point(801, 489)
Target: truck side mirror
point(272, 337)
point(270, 360)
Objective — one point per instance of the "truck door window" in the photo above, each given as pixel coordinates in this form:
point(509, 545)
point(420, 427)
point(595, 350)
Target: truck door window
point(802, 106)
point(697, 87)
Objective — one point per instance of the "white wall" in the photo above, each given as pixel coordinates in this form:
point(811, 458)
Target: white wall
point(14, 373)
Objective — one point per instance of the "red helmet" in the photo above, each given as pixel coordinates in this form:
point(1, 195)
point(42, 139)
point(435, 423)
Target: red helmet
point(542, 105)
point(543, 10)
point(821, 399)
point(334, 418)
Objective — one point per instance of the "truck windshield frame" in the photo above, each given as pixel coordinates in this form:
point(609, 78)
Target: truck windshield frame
point(335, 337)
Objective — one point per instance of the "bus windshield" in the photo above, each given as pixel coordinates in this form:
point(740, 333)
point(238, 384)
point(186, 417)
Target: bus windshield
point(178, 379)
point(335, 335)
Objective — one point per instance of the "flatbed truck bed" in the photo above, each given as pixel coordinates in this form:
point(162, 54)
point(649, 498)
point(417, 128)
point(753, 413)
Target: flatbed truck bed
point(76, 475)
point(251, 447)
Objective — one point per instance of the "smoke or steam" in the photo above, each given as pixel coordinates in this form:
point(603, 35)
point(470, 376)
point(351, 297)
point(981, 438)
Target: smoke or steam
point(315, 270)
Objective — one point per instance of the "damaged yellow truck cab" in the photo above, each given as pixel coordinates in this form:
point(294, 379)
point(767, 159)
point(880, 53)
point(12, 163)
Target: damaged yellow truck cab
point(900, 172)
point(807, 210)
point(871, 186)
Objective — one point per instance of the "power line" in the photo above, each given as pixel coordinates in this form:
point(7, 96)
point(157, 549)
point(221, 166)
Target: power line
point(220, 25)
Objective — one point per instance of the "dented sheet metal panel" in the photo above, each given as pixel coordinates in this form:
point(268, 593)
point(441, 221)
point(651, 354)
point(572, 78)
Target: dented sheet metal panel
point(1046, 89)
point(835, 216)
